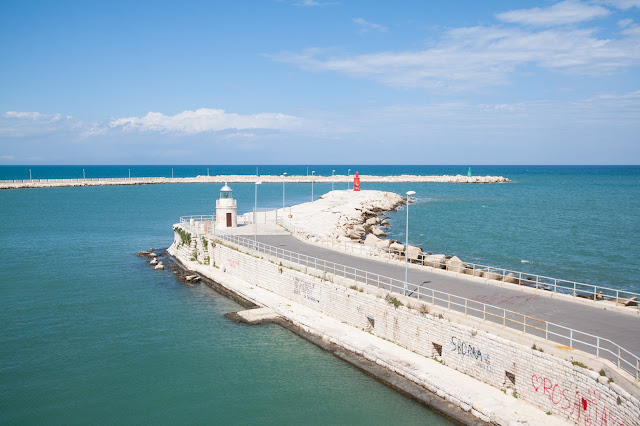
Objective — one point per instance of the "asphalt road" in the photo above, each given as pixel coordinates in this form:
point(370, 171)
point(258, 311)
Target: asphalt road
point(622, 329)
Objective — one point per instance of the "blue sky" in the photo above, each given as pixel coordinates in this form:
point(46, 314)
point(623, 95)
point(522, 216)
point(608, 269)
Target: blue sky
point(320, 82)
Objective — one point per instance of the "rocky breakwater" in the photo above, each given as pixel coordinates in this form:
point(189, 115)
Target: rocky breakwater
point(343, 216)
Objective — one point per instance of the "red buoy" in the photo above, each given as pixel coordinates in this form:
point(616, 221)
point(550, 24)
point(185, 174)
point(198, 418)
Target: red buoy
point(356, 182)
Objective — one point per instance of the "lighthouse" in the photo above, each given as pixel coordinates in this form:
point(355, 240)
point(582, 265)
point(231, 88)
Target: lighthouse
point(226, 209)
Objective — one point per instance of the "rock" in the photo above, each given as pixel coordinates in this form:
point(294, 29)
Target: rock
point(414, 253)
point(143, 254)
point(192, 278)
point(455, 264)
point(383, 244)
point(151, 250)
point(396, 247)
point(371, 240)
point(491, 275)
point(378, 232)
point(475, 272)
point(159, 266)
point(385, 222)
point(511, 278)
point(153, 262)
point(154, 255)
point(359, 229)
point(354, 236)
point(372, 221)
point(435, 260)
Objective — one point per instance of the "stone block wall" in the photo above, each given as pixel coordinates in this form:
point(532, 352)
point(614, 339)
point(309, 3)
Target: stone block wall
point(555, 385)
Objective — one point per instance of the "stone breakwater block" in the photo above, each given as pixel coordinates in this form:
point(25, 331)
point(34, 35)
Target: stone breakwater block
point(414, 253)
point(159, 266)
point(371, 240)
point(257, 316)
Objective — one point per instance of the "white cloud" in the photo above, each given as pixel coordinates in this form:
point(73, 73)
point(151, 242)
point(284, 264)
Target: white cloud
point(622, 4)
point(565, 12)
point(7, 157)
point(474, 57)
point(369, 26)
point(206, 120)
point(28, 124)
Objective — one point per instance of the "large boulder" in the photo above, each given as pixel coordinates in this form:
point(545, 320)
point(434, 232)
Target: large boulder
point(358, 229)
point(414, 253)
point(372, 221)
point(435, 260)
point(491, 275)
point(455, 264)
point(511, 278)
point(153, 262)
point(396, 247)
point(378, 232)
point(383, 244)
point(159, 266)
point(371, 240)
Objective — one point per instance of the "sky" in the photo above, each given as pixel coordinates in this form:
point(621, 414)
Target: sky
point(320, 82)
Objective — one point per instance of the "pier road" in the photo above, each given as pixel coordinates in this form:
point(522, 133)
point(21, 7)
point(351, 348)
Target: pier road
point(621, 328)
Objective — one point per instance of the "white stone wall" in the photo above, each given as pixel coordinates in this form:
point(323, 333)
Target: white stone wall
point(578, 394)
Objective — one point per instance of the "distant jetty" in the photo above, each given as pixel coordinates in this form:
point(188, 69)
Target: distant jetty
point(47, 183)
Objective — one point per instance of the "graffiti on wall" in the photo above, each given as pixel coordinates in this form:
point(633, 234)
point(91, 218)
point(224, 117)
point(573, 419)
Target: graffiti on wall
point(465, 349)
point(587, 409)
point(304, 289)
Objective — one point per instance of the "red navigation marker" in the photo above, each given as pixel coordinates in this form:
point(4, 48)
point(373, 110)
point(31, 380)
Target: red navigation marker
point(356, 182)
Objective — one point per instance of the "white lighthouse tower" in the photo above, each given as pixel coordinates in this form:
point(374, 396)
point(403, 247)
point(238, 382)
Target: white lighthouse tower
point(226, 209)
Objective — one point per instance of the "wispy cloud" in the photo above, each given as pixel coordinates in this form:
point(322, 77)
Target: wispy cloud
point(205, 120)
point(366, 26)
point(622, 4)
point(471, 58)
point(28, 124)
point(565, 12)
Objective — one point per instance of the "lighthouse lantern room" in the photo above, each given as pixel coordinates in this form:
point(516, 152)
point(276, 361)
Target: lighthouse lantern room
point(226, 209)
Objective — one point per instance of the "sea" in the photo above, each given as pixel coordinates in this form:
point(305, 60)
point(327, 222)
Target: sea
point(91, 334)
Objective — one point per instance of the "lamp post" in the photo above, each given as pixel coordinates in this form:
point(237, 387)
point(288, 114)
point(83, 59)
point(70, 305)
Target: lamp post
point(207, 171)
point(406, 247)
point(333, 172)
point(129, 174)
point(255, 217)
point(83, 178)
point(312, 174)
point(284, 175)
point(30, 175)
point(171, 173)
point(348, 177)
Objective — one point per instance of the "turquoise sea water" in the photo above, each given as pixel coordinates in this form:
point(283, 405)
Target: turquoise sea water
point(92, 334)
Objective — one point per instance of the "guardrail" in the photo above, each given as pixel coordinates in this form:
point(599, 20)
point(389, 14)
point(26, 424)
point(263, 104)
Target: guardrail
point(556, 285)
point(574, 339)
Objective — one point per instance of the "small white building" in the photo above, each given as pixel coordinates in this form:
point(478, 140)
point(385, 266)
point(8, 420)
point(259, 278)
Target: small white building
point(226, 209)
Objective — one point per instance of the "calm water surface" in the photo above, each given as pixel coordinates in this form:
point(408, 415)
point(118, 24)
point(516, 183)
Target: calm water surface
point(92, 334)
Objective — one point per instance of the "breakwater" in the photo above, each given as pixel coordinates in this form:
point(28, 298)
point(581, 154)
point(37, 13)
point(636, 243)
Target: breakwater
point(46, 183)
point(430, 345)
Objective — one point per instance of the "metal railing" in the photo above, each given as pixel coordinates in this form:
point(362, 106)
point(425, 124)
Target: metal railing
point(541, 282)
point(574, 339)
